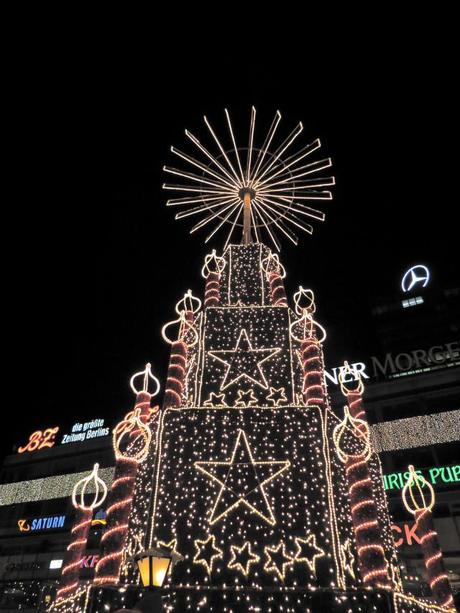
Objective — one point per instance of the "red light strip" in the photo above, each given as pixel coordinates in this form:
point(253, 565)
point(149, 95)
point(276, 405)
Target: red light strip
point(113, 540)
point(175, 380)
point(70, 574)
point(119, 528)
point(277, 290)
point(313, 369)
point(373, 564)
point(212, 290)
point(438, 579)
point(68, 588)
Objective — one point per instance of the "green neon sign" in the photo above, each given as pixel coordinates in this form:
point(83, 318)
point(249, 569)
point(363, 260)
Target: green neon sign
point(437, 475)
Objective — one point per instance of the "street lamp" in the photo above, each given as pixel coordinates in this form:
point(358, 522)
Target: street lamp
point(153, 566)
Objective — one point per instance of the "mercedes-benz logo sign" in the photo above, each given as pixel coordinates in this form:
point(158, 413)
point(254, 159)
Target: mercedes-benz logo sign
point(417, 275)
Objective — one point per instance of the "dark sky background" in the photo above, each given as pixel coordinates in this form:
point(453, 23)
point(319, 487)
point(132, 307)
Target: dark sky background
point(98, 262)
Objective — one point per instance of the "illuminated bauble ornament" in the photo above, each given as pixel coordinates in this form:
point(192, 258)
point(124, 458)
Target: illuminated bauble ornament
point(213, 263)
point(421, 502)
point(304, 299)
point(360, 432)
point(80, 491)
point(272, 264)
point(352, 387)
point(306, 328)
point(147, 376)
point(186, 331)
point(124, 445)
point(189, 303)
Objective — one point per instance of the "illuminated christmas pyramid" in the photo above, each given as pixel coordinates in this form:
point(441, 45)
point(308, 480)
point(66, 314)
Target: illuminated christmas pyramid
point(268, 499)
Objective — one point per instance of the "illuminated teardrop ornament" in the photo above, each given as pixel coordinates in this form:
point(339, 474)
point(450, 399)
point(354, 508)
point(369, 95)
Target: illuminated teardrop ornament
point(80, 492)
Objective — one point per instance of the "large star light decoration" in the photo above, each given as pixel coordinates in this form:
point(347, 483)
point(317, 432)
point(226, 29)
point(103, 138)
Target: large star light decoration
point(242, 481)
point(267, 178)
point(243, 362)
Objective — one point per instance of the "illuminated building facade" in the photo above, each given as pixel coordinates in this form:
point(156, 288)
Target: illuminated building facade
point(413, 404)
point(36, 513)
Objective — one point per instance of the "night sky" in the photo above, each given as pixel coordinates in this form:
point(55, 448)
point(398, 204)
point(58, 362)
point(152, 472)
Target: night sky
point(97, 262)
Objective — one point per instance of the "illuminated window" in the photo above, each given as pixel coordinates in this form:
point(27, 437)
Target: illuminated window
point(412, 302)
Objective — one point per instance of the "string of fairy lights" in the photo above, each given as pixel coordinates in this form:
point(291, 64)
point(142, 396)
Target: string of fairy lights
point(245, 470)
point(213, 455)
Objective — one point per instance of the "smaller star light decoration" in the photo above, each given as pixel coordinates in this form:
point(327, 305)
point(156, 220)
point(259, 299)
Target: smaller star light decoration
point(172, 544)
point(215, 400)
point(244, 362)
point(242, 558)
point(242, 481)
point(308, 551)
point(277, 396)
point(277, 560)
point(245, 399)
point(206, 552)
point(347, 557)
point(263, 188)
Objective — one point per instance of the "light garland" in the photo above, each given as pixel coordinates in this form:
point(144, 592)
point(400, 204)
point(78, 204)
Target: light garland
point(70, 574)
point(47, 488)
point(242, 476)
point(211, 271)
point(420, 504)
point(132, 438)
point(420, 431)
